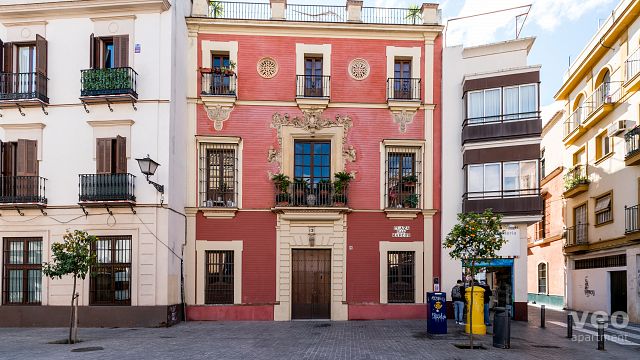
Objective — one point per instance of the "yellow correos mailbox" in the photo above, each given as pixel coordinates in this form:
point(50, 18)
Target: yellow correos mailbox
point(478, 325)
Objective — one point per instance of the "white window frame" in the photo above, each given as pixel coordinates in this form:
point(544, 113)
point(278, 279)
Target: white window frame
point(482, 120)
point(546, 277)
point(204, 142)
point(202, 246)
point(418, 248)
point(518, 192)
point(519, 115)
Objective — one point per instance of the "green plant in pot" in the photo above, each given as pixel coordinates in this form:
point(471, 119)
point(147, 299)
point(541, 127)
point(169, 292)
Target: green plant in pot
point(342, 180)
point(282, 183)
point(300, 189)
point(411, 201)
point(409, 181)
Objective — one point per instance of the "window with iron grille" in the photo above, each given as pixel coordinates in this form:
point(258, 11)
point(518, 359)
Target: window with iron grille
point(22, 274)
point(601, 262)
point(542, 278)
point(218, 287)
point(401, 276)
point(110, 282)
point(218, 175)
point(604, 213)
point(403, 177)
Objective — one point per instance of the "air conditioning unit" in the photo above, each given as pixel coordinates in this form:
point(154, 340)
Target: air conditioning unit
point(618, 127)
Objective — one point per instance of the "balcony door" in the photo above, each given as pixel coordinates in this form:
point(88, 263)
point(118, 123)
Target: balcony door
point(580, 222)
point(18, 170)
point(402, 79)
point(220, 82)
point(26, 68)
point(313, 77)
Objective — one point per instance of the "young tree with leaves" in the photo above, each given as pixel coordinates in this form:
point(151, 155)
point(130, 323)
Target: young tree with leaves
point(72, 257)
point(476, 236)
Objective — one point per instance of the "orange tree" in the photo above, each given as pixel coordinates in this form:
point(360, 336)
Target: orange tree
point(476, 236)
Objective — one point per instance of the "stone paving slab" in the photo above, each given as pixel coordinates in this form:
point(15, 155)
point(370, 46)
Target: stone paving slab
point(301, 340)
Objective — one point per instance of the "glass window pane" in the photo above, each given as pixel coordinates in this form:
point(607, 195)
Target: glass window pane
point(511, 101)
point(35, 286)
point(15, 286)
point(492, 104)
point(35, 252)
point(475, 107)
point(511, 176)
point(475, 179)
point(103, 251)
point(528, 175)
point(528, 100)
point(16, 252)
point(492, 178)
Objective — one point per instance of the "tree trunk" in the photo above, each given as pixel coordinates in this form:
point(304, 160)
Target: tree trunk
point(75, 320)
point(71, 320)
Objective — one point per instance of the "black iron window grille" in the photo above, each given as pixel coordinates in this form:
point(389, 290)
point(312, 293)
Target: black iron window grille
point(603, 211)
point(22, 190)
point(22, 274)
point(110, 282)
point(109, 81)
point(601, 262)
point(631, 219)
point(23, 86)
point(401, 276)
point(403, 177)
point(219, 268)
point(218, 175)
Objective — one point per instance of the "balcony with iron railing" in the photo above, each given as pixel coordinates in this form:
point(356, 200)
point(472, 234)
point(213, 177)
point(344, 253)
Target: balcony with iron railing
point(576, 181)
point(350, 12)
point(218, 84)
point(595, 107)
point(22, 191)
point(403, 89)
point(576, 238)
point(112, 84)
point(632, 71)
point(501, 126)
point(507, 202)
point(23, 87)
point(632, 147)
point(313, 86)
point(107, 188)
point(631, 221)
point(303, 194)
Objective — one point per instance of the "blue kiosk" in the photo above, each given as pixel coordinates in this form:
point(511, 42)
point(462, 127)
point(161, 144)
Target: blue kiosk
point(436, 313)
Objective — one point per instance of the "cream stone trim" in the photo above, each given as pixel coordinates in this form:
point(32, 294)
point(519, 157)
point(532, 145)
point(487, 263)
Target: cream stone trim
point(290, 134)
point(418, 248)
point(66, 9)
point(115, 25)
point(231, 140)
point(111, 129)
point(208, 47)
point(25, 31)
point(399, 214)
point(201, 247)
point(308, 49)
point(219, 213)
point(315, 30)
point(30, 131)
point(413, 52)
point(420, 151)
point(429, 64)
point(46, 245)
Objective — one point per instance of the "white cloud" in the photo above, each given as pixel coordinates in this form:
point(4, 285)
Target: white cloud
point(546, 14)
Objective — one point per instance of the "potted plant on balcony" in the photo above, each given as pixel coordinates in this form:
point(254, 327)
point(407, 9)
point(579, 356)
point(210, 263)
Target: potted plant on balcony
point(342, 181)
point(324, 190)
point(411, 201)
point(409, 181)
point(282, 183)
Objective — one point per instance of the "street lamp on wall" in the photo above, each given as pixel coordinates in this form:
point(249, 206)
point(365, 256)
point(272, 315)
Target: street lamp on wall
point(148, 168)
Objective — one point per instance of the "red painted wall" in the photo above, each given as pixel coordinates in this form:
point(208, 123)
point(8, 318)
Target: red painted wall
point(365, 231)
point(257, 230)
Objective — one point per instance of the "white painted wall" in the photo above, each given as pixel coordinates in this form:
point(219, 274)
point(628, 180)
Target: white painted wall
point(68, 147)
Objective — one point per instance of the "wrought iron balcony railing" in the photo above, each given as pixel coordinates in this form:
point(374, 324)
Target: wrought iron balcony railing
point(576, 176)
point(315, 13)
point(501, 118)
point(218, 84)
point(631, 223)
point(23, 86)
point(109, 82)
point(107, 188)
point(577, 235)
point(403, 88)
point(22, 190)
point(318, 86)
point(632, 142)
point(632, 65)
point(322, 194)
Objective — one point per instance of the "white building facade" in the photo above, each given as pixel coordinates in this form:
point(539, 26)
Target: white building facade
point(492, 129)
point(87, 87)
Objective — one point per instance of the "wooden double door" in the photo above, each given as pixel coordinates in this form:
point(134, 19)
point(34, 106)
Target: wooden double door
point(311, 284)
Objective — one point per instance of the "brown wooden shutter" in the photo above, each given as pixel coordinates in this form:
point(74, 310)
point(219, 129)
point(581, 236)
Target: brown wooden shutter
point(41, 55)
point(103, 156)
point(7, 159)
point(1, 55)
point(121, 50)
point(121, 155)
point(2, 145)
point(92, 52)
point(27, 162)
point(8, 58)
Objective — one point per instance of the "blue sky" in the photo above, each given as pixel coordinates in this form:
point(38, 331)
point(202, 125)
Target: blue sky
point(562, 28)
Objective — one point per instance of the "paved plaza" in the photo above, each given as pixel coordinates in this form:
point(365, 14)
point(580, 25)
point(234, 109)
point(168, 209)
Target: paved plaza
point(309, 340)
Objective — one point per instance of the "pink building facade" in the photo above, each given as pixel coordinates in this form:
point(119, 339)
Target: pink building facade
point(317, 101)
